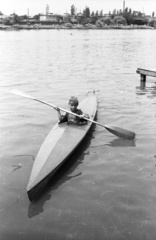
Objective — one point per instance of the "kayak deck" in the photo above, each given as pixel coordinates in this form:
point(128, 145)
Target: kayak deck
point(58, 145)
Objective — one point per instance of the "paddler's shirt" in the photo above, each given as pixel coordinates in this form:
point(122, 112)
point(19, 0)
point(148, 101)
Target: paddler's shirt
point(70, 118)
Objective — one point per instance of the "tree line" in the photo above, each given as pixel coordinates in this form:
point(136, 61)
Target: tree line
point(125, 17)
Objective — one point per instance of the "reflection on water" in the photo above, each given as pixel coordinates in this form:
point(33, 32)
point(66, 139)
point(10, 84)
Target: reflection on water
point(122, 143)
point(119, 142)
point(36, 207)
point(145, 89)
point(142, 85)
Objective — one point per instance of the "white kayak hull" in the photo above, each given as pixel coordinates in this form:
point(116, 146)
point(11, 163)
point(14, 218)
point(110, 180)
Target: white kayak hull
point(62, 140)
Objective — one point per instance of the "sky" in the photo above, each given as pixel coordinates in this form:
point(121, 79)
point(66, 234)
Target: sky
point(33, 7)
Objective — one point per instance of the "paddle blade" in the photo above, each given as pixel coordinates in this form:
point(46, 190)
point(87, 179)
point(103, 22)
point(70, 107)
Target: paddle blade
point(20, 93)
point(120, 132)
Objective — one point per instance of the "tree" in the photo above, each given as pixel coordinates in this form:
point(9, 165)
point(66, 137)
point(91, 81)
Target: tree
point(93, 19)
point(107, 21)
point(130, 11)
point(86, 12)
point(119, 20)
point(16, 19)
point(37, 17)
point(73, 10)
point(152, 23)
point(24, 17)
point(101, 13)
point(114, 12)
point(126, 10)
point(139, 20)
point(99, 23)
point(120, 12)
point(7, 21)
point(97, 13)
point(139, 14)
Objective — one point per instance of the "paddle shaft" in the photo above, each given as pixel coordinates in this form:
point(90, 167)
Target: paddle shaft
point(120, 132)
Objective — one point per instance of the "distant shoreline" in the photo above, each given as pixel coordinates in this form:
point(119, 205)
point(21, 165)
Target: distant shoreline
point(74, 27)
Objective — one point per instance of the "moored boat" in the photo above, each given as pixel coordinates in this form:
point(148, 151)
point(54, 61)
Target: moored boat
point(62, 140)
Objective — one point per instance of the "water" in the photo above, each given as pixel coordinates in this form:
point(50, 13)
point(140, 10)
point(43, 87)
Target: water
point(106, 190)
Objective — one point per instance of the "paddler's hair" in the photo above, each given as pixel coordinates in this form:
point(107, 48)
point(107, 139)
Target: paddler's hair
point(74, 101)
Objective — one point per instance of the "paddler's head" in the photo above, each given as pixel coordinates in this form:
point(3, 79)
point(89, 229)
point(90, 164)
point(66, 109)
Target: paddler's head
point(73, 103)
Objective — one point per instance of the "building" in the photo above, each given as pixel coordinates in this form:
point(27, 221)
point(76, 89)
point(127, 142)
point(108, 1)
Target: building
point(51, 18)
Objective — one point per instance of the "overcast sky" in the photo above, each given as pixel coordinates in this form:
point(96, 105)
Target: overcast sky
point(21, 7)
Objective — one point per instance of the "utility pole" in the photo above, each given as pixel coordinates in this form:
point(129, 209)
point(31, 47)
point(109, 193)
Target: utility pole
point(123, 6)
point(28, 17)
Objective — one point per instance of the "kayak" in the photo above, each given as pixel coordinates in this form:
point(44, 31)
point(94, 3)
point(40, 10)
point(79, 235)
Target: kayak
point(61, 141)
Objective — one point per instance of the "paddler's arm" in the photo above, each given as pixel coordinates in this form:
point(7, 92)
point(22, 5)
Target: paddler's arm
point(59, 112)
point(82, 120)
point(62, 118)
point(84, 115)
point(59, 115)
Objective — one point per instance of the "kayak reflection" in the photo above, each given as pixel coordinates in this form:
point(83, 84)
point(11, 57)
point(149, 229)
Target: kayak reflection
point(121, 143)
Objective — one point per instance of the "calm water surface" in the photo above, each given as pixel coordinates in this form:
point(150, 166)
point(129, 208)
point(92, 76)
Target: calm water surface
point(107, 189)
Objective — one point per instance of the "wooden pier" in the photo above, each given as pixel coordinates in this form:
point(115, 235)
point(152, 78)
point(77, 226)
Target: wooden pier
point(143, 73)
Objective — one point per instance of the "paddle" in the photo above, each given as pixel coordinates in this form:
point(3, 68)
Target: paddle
point(120, 132)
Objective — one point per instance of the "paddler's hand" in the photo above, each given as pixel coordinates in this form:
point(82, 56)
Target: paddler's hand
point(57, 109)
point(84, 116)
point(81, 116)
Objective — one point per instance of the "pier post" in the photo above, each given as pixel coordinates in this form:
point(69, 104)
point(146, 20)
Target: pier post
point(142, 84)
point(143, 77)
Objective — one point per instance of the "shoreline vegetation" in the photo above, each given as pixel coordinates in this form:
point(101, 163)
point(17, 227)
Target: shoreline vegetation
point(124, 18)
point(76, 26)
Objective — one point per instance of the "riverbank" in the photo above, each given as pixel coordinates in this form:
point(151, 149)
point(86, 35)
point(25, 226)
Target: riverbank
point(78, 26)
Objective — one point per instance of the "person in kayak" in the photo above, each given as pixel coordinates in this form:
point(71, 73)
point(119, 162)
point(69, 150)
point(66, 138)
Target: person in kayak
point(70, 118)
